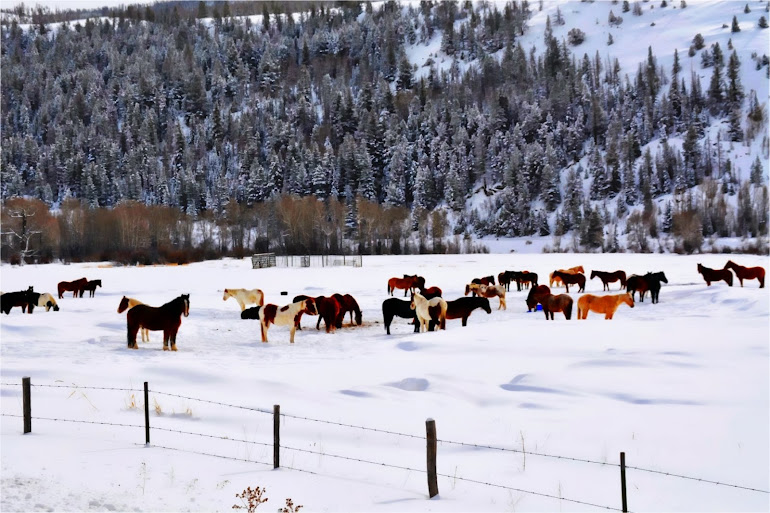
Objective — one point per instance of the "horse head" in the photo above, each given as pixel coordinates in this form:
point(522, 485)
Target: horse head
point(123, 305)
point(185, 304)
point(310, 307)
point(593, 274)
point(627, 299)
point(226, 295)
point(484, 302)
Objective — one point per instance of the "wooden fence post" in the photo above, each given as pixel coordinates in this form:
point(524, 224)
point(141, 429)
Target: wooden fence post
point(430, 428)
point(623, 481)
point(276, 435)
point(26, 405)
point(146, 414)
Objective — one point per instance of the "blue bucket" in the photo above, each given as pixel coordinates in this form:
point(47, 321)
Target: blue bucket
point(539, 308)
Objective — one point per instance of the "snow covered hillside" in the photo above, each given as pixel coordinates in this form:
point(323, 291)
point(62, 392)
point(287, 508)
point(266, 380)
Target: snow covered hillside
point(681, 387)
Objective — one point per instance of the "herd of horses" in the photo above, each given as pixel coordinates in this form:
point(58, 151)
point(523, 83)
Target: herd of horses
point(426, 307)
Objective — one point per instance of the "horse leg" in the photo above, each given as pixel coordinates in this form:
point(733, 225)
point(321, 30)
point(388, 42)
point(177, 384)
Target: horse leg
point(387, 319)
point(165, 339)
point(172, 337)
point(241, 303)
point(465, 321)
point(263, 328)
point(145, 335)
point(132, 336)
point(291, 333)
point(318, 324)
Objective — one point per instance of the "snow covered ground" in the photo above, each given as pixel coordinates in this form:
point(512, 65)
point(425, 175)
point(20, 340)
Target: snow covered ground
point(681, 386)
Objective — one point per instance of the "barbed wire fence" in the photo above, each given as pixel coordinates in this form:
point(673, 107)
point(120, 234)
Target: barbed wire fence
point(430, 438)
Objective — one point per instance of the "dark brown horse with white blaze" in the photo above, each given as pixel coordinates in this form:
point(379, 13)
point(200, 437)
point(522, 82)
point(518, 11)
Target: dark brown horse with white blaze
point(608, 278)
point(166, 318)
point(747, 273)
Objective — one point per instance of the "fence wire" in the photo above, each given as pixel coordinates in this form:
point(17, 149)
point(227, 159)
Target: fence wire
point(76, 421)
point(375, 430)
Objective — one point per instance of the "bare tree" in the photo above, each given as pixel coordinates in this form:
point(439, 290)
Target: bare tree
point(20, 229)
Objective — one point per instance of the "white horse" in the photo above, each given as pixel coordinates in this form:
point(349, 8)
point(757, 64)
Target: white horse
point(48, 302)
point(427, 310)
point(245, 297)
point(288, 315)
point(127, 303)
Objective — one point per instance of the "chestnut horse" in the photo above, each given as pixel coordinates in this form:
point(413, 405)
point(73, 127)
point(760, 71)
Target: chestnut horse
point(90, 286)
point(429, 309)
point(288, 315)
point(330, 311)
point(552, 278)
point(608, 278)
point(245, 297)
point(394, 307)
point(408, 283)
point(167, 318)
point(710, 275)
point(127, 303)
point(74, 286)
point(561, 303)
point(602, 304)
point(431, 292)
point(747, 273)
point(348, 304)
point(568, 279)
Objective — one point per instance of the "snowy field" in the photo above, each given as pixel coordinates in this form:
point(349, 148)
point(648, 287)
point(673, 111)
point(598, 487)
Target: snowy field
point(680, 386)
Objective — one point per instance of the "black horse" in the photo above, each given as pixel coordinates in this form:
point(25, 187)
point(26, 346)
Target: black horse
point(461, 308)
point(393, 307)
point(26, 299)
point(90, 286)
point(650, 281)
point(522, 278)
point(251, 313)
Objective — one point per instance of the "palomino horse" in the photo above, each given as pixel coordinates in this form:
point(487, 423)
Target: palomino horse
point(74, 286)
point(561, 303)
point(408, 283)
point(602, 304)
point(288, 315)
point(26, 299)
point(348, 304)
point(245, 297)
point(488, 291)
point(461, 308)
point(48, 302)
point(126, 304)
point(747, 273)
point(608, 278)
point(568, 279)
point(90, 286)
point(394, 307)
point(429, 309)
point(167, 318)
point(524, 279)
point(554, 279)
point(710, 275)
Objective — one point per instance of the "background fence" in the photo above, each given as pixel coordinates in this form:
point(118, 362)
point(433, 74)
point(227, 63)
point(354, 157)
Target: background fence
point(431, 440)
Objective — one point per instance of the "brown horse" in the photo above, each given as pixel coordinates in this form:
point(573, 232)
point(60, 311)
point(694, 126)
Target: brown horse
point(524, 279)
point(167, 318)
point(710, 275)
point(26, 299)
point(602, 304)
point(90, 286)
point(74, 286)
point(561, 303)
point(348, 304)
point(408, 283)
point(431, 292)
point(461, 308)
point(537, 291)
point(328, 309)
point(568, 279)
point(650, 281)
point(553, 279)
point(747, 273)
point(608, 278)
point(505, 278)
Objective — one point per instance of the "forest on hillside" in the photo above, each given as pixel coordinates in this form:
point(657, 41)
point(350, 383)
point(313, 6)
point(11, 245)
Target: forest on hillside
point(157, 131)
